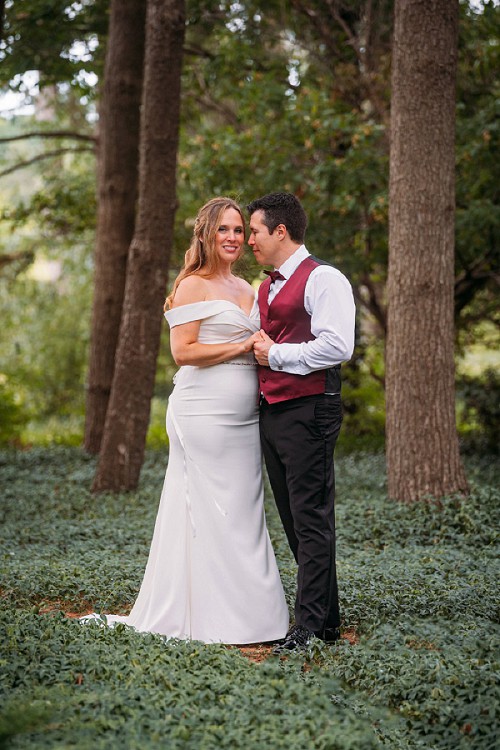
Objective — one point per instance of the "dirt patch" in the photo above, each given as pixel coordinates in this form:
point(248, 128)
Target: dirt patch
point(84, 609)
point(349, 634)
point(255, 652)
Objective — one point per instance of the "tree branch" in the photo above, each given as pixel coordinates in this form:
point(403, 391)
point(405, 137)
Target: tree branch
point(372, 303)
point(351, 38)
point(196, 51)
point(380, 379)
point(40, 157)
point(318, 24)
point(474, 278)
point(23, 255)
point(12, 264)
point(216, 106)
point(51, 134)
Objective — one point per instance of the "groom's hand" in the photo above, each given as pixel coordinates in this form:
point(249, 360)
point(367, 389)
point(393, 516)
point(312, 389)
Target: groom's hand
point(261, 348)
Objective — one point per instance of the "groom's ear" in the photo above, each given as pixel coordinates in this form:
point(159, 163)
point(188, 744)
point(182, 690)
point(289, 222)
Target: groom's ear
point(281, 231)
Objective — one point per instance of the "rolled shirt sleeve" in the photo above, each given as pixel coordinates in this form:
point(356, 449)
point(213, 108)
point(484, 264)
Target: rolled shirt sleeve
point(329, 301)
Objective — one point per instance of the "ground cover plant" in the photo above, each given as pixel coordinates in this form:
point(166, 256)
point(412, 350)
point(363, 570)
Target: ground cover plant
point(418, 667)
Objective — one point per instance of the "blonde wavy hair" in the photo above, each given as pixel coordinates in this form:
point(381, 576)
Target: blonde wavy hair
point(201, 257)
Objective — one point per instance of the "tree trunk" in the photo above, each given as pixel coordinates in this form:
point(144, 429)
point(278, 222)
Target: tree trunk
point(147, 269)
point(117, 187)
point(2, 17)
point(422, 445)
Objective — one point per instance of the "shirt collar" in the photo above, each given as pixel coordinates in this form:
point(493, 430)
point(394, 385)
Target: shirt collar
point(291, 263)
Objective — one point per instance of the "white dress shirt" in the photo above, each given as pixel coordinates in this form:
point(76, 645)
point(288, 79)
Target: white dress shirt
point(329, 301)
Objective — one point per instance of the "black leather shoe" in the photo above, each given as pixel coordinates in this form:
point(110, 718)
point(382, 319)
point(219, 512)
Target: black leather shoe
point(330, 635)
point(297, 639)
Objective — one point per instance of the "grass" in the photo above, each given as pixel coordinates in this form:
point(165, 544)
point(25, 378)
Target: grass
point(419, 596)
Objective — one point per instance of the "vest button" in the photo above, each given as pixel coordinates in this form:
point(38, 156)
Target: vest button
point(264, 380)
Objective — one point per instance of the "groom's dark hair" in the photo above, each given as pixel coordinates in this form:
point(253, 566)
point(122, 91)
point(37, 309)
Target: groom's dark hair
point(282, 208)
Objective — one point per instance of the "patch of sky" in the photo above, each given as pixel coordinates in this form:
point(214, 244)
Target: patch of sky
point(82, 51)
point(237, 20)
point(19, 101)
point(74, 9)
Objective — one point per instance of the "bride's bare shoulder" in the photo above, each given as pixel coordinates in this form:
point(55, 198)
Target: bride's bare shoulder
point(246, 289)
point(191, 289)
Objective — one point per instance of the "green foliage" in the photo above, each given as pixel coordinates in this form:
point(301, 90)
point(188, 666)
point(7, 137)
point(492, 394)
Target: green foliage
point(443, 683)
point(45, 306)
point(46, 352)
point(478, 170)
point(54, 430)
point(271, 100)
point(363, 400)
point(335, 160)
point(65, 208)
point(480, 416)
point(120, 689)
point(13, 416)
point(157, 437)
point(40, 36)
point(417, 585)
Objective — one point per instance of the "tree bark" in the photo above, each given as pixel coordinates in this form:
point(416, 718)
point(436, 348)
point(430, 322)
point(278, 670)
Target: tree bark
point(2, 18)
point(117, 188)
point(147, 269)
point(422, 445)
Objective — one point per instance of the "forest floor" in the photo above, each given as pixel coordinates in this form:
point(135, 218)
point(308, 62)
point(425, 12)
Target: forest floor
point(417, 666)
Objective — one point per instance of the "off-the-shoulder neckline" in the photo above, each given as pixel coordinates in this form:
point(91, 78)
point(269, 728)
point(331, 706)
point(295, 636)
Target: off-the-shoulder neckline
point(211, 301)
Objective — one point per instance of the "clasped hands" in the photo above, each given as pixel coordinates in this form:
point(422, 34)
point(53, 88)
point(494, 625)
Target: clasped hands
point(260, 343)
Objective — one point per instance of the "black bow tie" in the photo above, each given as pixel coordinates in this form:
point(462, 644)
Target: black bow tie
point(273, 275)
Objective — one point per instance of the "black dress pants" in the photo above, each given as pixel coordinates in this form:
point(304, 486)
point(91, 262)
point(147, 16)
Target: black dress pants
point(298, 439)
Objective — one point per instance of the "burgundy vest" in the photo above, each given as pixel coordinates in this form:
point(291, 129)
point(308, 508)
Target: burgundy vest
point(286, 320)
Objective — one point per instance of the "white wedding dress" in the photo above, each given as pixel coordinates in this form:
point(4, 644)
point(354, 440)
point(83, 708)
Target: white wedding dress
point(211, 573)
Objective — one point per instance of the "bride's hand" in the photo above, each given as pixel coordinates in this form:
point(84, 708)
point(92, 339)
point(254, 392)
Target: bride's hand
point(250, 341)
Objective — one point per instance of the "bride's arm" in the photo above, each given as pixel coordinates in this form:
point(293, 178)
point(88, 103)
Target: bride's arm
point(187, 350)
point(184, 344)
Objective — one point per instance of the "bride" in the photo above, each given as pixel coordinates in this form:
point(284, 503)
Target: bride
point(211, 573)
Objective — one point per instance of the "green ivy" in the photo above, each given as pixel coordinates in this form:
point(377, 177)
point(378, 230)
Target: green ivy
point(418, 593)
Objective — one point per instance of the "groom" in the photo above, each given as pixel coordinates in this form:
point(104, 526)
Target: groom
point(307, 318)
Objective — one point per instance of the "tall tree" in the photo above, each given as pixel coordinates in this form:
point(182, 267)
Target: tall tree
point(422, 444)
point(119, 124)
point(2, 14)
point(147, 268)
